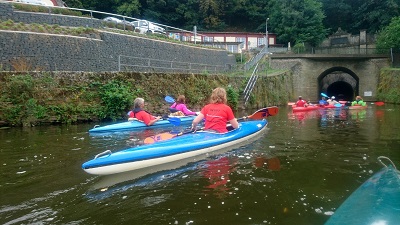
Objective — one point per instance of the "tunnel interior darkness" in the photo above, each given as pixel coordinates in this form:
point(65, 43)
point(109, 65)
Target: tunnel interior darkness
point(339, 82)
point(341, 90)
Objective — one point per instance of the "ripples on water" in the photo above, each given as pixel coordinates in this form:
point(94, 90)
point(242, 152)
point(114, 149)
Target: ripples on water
point(298, 172)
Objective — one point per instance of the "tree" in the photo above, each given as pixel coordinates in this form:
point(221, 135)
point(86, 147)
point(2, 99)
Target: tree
point(375, 14)
point(339, 13)
point(298, 21)
point(389, 37)
point(355, 15)
point(246, 15)
point(129, 8)
point(74, 4)
point(212, 12)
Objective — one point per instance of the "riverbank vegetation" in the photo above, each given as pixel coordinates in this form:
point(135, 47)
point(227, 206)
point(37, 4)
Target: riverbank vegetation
point(389, 85)
point(35, 98)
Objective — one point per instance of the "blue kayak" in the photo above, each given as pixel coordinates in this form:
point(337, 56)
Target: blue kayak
point(377, 201)
point(177, 148)
point(138, 125)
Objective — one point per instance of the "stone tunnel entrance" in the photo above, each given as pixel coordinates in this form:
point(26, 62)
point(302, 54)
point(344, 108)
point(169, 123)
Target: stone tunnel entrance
point(339, 82)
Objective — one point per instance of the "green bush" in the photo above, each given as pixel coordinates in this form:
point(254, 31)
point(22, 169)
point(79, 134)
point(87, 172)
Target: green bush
point(299, 48)
point(116, 98)
point(233, 97)
point(389, 37)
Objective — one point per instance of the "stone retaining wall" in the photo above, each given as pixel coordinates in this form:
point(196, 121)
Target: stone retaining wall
point(51, 52)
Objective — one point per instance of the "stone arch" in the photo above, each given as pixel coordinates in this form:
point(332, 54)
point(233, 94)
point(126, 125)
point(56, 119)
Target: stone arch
point(339, 81)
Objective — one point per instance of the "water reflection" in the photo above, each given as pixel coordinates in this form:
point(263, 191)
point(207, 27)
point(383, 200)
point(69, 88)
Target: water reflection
point(298, 172)
point(217, 173)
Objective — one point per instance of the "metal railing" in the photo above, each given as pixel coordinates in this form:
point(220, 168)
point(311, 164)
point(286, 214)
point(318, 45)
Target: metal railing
point(250, 84)
point(255, 59)
point(129, 63)
point(126, 20)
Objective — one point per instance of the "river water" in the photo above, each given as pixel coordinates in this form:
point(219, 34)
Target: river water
point(298, 172)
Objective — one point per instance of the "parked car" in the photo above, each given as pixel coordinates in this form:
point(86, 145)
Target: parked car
point(117, 23)
point(113, 19)
point(145, 26)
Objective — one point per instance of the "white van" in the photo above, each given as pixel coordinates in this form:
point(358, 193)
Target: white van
point(145, 26)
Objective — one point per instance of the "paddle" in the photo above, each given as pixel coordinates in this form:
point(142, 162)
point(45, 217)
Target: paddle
point(337, 105)
point(258, 115)
point(379, 103)
point(324, 95)
point(169, 99)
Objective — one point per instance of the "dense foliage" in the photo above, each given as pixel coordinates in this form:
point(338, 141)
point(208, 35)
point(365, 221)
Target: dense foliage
point(355, 15)
point(293, 21)
point(35, 98)
point(389, 37)
point(299, 21)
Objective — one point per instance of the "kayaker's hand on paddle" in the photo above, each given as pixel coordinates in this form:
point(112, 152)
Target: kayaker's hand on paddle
point(193, 128)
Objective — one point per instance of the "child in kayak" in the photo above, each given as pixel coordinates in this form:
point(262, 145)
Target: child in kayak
point(180, 105)
point(140, 114)
point(358, 102)
point(332, 101)
point(217, 113)
point(323, 102)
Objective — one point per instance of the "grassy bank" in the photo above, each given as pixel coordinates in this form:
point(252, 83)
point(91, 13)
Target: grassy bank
point(30, 99)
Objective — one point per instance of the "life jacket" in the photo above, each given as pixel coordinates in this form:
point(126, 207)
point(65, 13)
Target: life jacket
point(173, 107)
point(132, 114)
point(359, 103)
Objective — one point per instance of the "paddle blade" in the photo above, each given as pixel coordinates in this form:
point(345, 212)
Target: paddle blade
point(265, 112)
point(324, 95)
point(159, 137)
point(169, 99)
point(338, 105)
point(174, 121)
point(379, 103)
point(273, 110)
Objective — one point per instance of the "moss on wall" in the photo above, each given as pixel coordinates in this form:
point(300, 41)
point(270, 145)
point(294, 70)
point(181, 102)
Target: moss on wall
point(389, 85)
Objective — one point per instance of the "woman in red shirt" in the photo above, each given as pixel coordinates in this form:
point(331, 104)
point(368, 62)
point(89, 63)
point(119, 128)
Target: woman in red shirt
point(301, 102)
point(141, 114)
point(217, 113)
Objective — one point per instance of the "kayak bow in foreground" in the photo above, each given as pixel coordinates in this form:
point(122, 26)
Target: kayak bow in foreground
point(377, 201)
point(178, 148)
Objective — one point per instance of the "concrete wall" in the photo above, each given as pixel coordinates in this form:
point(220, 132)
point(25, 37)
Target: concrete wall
point(307, 70)
point(51, 52)
point(360, 40)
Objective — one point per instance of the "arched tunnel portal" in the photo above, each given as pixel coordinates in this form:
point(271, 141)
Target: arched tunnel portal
point(339, 82)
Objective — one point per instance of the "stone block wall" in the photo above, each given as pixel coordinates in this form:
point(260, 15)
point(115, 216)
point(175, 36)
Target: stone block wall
point(7, 12)
point(51, 52)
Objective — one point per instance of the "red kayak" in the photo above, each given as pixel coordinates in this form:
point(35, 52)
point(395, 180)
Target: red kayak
point(308, 108)
point(358, 107)
point(315, 107)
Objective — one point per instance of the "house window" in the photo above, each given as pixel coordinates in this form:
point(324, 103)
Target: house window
point(233, 48)
point(241, 39)
point(185, 38)
point(208, 39)
point(261, 41)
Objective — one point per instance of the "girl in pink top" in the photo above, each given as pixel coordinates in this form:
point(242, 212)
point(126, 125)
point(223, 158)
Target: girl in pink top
point(179, 105)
